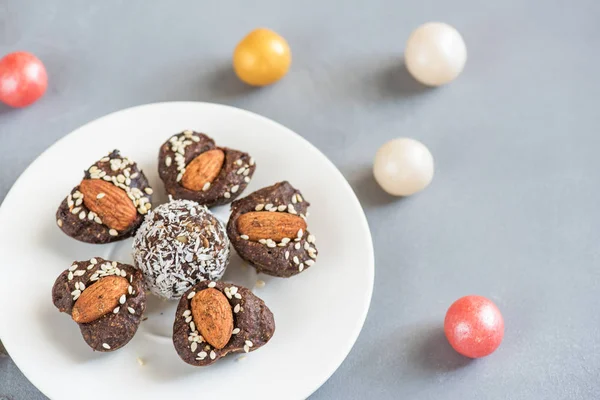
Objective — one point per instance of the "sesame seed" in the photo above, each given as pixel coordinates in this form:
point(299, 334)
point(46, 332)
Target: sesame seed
point(180, 176)
point(309, 262)
point(148, 191)
point(59, 222)
point(168, 161)
point(76, 210)
point(238, 296)
point(113, 232)
point(107, 178)
point(236, 309)
point(213, 355)
point(281, 207)
point(227, 195)
point(287, 255)
point(73, 267)
point(296, 261)
point(78, 202)
point(192, 294)
point(301, 267)
point(259, 207)
point(241, 170)
point(79, 272)
point(271, 244)
point(239, 162)
point(235, 331)
point(246, 348)
point(134, 175)
point(299, 197)
point(247, 179)
point(294, 199)
point(81, 286)
point(297, 246)
point(212, 284)
point(106, 346)
point(312, 255)
point(82, 215)
point(128, 181)
point(105, 159)
point(70, 276)
point(187, 313)
point(300, 233)
point(262, 241)
point(235, 188)
point(251, 161)
point(192, 326)
point(206, 186)
point(311, 239)
point(140, 361)
point(273, 209)
point(93, 261)
point(188, 320)
point(116, 310)
point(249, 343)
point(245, 237)
point(202, 355)
point(122, 299)
point(291, 209)
point(194, 347)
point(130, 289)
point(131, 310)
point(285, 240)
point(260, 283)
point(306, 246)
point(233, 290)
point(98, 220)
point(268, 206)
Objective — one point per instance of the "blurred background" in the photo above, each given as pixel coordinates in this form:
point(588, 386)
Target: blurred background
point(513, 205)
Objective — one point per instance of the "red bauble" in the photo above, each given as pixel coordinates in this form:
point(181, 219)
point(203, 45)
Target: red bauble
point(474, 326)
point(23, 79)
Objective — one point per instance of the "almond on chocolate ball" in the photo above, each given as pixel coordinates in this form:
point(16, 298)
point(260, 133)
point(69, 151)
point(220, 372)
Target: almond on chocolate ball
point(268, 229)
point(214, 319)
point(105, 298)
point(109, 204)
point(193, 167)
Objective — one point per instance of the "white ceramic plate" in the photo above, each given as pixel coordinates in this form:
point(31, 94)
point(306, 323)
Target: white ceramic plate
point(318, 314)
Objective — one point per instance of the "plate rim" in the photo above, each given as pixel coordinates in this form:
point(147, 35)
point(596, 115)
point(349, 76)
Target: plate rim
point(362, 220)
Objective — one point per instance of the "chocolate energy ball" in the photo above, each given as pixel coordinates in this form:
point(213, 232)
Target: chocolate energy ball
point(106, 298)
point(268, 229)
point(180, 244)
point(192, 167)
point(214, 319)
point(109, 204)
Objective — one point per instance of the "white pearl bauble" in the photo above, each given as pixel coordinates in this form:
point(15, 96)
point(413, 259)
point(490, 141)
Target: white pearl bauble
point(403, 167)
point(435, 54)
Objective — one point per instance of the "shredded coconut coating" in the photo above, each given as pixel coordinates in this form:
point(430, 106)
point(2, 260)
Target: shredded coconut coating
point(178, 245)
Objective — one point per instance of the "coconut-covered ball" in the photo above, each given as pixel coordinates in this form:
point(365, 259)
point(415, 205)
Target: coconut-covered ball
point(180, 244)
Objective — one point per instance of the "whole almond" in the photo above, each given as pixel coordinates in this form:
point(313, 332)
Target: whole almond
point(98, 299)
point(213, 317)
point(203, 169)
point(270, 225)
point(115, 208)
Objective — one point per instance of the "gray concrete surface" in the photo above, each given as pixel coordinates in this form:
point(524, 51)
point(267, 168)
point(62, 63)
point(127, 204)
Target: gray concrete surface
point(512, 213)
